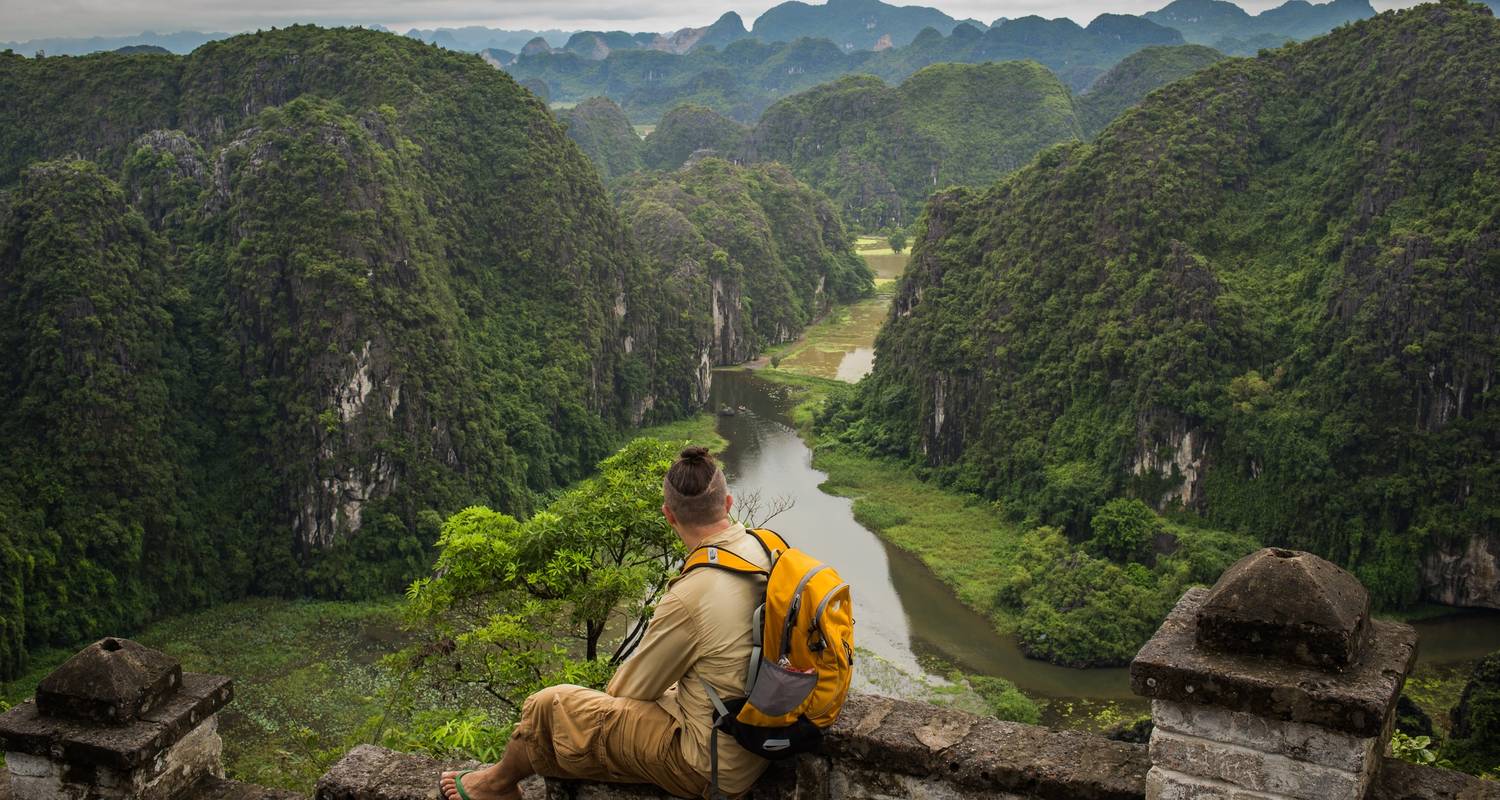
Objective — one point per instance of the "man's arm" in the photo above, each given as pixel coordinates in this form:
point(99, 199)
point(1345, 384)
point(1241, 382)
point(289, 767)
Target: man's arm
point(666, 651)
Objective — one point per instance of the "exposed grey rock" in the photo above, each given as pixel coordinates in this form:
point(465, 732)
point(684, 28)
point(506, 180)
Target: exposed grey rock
point(1287, 604)
point(1463, 571)
point(368, 772)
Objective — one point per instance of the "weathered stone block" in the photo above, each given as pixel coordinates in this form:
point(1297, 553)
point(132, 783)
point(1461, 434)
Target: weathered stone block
point(165, 777)
point(1164, 784)
point(1295, 740)
point(198, 754)
point(30, 766)
point(1287, 604)
point(1359, 701)
point(1256, 771)
point(373, 773)
point(983, 753)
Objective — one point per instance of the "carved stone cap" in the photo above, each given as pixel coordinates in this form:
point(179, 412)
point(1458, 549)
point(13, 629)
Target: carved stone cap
point(1357, 701)
point(112, 681)
point(24, 729)
point(1286, 604)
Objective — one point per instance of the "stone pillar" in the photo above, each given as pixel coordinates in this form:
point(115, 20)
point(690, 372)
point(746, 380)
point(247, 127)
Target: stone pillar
point(117, 720)
point(1273, 684)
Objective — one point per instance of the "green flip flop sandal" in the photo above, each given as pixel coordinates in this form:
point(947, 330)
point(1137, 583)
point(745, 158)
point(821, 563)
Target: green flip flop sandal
point(458, 783)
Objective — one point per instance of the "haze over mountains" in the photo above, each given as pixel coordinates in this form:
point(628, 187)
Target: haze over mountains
point(850, 25)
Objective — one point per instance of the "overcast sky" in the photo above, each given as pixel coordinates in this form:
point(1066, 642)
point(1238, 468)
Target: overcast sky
point(21, 20)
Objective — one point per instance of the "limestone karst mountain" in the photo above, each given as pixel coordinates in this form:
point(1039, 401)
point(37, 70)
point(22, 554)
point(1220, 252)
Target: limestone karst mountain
point(1265, 295)
point(274, 309)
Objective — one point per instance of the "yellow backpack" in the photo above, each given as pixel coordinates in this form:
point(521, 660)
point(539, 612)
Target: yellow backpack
point(803, 656)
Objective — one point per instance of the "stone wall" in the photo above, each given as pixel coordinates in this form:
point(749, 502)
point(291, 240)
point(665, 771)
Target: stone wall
point(881, 747)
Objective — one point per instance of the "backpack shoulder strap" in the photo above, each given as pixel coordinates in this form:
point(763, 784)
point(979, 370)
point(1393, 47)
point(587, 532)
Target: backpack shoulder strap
point(719, 558)
point(771, 542)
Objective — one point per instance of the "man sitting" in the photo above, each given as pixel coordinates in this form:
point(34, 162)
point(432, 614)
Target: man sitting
point(652, 724)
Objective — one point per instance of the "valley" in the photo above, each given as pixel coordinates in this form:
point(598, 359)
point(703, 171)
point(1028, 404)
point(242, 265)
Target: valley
point(349, 362)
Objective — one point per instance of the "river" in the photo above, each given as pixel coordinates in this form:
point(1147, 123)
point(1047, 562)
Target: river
point(905, 615)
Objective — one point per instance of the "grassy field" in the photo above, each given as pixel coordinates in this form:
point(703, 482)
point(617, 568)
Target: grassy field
point(961, 538)
point(700, 429)
point(843, 330)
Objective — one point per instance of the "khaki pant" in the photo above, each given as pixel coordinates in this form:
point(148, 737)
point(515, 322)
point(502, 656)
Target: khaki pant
point(574, 732)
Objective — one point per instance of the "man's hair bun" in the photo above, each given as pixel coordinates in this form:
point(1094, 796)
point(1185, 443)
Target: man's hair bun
point(694, 453)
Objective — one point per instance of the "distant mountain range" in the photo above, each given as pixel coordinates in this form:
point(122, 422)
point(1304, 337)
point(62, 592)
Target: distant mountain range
point(851, 25)
point(748, 75)
point(181, 42)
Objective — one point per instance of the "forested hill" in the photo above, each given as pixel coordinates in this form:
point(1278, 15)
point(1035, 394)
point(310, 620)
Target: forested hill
point(688, 129)
point(1141, 73)
point(604, 134)
point(273, 310)
point(1268, 294)
point(879, 150)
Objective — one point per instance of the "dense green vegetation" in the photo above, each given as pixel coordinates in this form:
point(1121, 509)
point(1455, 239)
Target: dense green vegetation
point(879, 150)
point(745, 257)
point(307, 293)
point(1263, 297)
point(687, 129)
point(1474, 743)
point(563, 597)
point(1139, 74)
point(605, 135)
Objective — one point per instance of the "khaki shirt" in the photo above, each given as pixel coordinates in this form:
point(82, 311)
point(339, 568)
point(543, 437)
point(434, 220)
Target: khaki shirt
point(701, 630)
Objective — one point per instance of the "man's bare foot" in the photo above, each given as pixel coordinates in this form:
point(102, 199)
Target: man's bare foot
point(484, 784)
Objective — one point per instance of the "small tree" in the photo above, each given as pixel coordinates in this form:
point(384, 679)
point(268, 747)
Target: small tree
point(560, 598)
point(898, 241)
point(1124, 529)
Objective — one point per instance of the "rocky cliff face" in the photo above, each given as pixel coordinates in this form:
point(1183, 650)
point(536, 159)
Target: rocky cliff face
point(1463, 572)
